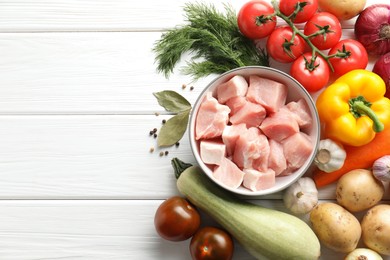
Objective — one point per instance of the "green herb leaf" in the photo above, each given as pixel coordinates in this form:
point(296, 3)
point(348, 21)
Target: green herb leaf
point(173, 130)
point(214, 40)
point(172, 101)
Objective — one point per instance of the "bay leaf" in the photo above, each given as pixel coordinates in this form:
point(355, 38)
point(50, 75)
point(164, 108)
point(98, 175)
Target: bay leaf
point(172, 101)
point(173, 130)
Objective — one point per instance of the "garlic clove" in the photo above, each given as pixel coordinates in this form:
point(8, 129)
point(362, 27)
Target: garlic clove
point(381, 168)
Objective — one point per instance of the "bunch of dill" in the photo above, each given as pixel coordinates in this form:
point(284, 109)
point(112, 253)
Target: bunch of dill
point(214, 40)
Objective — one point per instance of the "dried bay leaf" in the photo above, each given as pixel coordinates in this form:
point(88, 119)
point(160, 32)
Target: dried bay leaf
point(172, 101)
point(173, 130)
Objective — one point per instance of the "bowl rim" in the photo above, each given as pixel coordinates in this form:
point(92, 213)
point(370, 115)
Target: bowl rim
point(247, 192)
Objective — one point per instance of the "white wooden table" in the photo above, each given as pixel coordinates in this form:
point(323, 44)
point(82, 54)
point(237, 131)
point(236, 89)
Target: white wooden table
point(77, 180)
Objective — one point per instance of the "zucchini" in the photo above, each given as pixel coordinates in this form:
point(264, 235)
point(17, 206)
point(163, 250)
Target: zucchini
point(263, 232)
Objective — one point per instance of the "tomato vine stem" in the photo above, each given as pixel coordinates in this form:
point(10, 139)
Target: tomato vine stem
point(323, 30)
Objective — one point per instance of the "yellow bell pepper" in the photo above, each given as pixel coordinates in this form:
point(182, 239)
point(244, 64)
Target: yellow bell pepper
point(353, 109)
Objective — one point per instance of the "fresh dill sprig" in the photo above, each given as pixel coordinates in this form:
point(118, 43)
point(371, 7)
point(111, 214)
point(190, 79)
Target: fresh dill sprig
point(214, 40)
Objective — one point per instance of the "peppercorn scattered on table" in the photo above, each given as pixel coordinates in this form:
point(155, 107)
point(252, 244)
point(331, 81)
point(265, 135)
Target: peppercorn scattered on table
point(81, 175)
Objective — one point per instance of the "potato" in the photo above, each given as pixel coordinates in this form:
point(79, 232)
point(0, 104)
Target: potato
point(342, 9)
point(359, 190)
point(376, 229)
point(335, 227)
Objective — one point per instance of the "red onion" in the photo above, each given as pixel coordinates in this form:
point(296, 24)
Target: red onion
point(372, 29)
point(382, 68)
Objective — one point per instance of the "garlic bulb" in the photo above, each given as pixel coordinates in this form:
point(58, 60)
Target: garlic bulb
point(330, 156)
point(301, 197)
point(381, 168)
point(363, 254)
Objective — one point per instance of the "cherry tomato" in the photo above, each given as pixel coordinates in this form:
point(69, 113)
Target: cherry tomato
point(312, 76)
point(355, 56)
point(279, 46)
point(254, 19)
point(211, 243)
point(176, 219)
point(287, 7)
point(331, 27)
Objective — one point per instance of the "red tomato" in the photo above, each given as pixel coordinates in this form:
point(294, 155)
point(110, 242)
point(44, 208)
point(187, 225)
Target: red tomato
point(176, 219)
point(254, 20)
point(312, 76)
point(351, 55)
point(329, 24)
point(287, 7)
point(279, 46)
point(211, 243)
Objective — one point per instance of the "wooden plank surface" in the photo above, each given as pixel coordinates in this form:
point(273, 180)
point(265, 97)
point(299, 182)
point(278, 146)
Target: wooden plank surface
point(109, 229)
point(77, 179)
point(102, 15)
point(88, 73)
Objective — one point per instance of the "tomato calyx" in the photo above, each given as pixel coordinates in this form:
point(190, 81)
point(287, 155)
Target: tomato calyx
point(298, 8)
point(343, 53)
point(322, 30)
point(287, 47)
point(310, 65)
point(262, 19)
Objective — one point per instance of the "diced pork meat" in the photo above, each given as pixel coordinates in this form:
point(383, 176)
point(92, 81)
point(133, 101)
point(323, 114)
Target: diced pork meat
point(228, 174)
point(279, 125)
point(300, 112)
point(287, 171)
point(251, 114)
point(211, 119)
point(249, 147)
point(256, 180)
point(276, 160)
point(235, 104)
point(230, 135)
point(236, 86)
point(297, 148)
point(270, 94)
point(261, 163)
point(212, 152)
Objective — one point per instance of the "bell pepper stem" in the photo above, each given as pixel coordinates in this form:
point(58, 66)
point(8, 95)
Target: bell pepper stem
point(361, 108)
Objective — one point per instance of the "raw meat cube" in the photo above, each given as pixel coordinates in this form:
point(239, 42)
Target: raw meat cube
point(300, 112)
point(276, 159)
point(249, 147)
point(255, 180)
point(261, 163)
point(236, 86)
point(228, 174)
point(270, 94)
point(250, 114)
point(279, 125)
point(297, 148)
point(230, 135)
point(212, 152)
point(235, 104)
point(211, 119)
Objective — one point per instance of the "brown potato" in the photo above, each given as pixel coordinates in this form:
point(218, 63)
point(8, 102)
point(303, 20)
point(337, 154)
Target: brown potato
point(343, 10)
point(359, 190)
point(376, 229)
point(335, 227)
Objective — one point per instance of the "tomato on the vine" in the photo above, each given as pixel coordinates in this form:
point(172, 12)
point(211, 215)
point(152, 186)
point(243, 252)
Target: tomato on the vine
point(309, 8)
point(312, 74)
point(330, 27)
point(176, 219)
point(351, 55)
point(211, 243)
point(281, 49)
point(256, 20)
